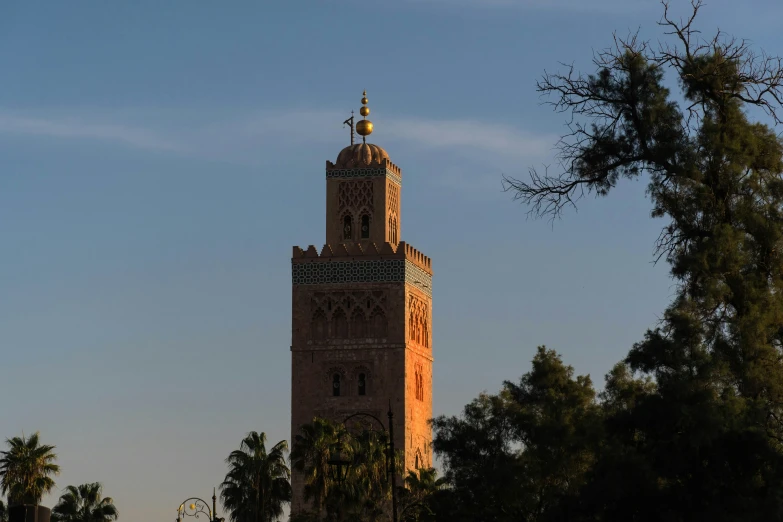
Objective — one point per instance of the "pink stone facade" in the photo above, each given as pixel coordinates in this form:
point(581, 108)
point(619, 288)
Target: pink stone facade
point(362, 315)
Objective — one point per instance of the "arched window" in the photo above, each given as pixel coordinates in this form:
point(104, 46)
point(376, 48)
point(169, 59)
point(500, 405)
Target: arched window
point(339, 324)
point(391, 240)
point(319, 326)
point(378, 323)
point(335, 385)
point(365, 227)
point(358, 324)
point(348, 227)
point(418, 383)
point(362, 384)
point(416, 466)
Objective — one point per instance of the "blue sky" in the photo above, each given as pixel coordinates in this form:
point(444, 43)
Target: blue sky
point(158, 160)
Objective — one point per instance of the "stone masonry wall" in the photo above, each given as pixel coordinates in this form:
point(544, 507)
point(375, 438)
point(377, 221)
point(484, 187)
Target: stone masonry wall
point(390, 363)
point(315, 361)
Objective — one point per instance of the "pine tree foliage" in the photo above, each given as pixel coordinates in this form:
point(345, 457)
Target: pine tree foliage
point(689, 426)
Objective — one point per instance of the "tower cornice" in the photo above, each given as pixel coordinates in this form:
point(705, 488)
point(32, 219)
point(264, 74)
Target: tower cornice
point(363, 251)
point(382, 163)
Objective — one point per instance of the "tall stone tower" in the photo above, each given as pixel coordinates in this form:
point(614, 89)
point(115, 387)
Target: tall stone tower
point(361, 336)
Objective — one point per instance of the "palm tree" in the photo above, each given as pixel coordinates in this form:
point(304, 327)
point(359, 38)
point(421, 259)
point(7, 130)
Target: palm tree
point(84, 504)
point(310, 456)
point(257, 483)
point(365, 493)
point(26, 470)
point(367, 488)
point(415, 497)
point(3, 512)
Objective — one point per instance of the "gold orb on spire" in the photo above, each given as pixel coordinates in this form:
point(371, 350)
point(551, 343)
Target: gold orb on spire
point(364, 127)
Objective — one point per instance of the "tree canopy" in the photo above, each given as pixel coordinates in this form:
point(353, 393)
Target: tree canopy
point(257, 484)
point(85, 503)
point(26, 469)
point(689, 425)
point(365, 492)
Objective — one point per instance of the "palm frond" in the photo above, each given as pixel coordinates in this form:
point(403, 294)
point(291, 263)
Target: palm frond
point(257, 484)
point(84, 503)
point(26, 469)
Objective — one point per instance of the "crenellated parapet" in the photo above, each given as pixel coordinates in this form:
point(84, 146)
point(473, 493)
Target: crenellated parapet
point(362, 263)
point(365, 250)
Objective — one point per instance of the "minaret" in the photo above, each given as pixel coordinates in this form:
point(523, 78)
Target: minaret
point(362, 309)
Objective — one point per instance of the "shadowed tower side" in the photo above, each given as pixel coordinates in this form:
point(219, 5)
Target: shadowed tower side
point(362, 309)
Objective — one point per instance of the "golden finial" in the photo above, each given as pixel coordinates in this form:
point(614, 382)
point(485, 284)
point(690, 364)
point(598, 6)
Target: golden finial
point(364, 127)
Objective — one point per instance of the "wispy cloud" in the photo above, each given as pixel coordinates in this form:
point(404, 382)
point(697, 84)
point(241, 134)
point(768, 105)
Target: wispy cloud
point(248, 138)
point(490, 138)
point(472, 137)
point(232, 134)
point(75, 128)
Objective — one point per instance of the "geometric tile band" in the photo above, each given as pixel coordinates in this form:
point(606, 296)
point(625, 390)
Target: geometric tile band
point(363, 173)
point(375, 271)
point(419, 278)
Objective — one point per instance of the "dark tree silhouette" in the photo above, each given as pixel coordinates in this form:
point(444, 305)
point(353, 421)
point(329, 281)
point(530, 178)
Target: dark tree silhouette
point(26, 470)
point(85, 503)
point(257, 484)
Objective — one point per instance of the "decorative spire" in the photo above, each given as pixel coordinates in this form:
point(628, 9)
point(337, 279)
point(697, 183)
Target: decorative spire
point(364, 127)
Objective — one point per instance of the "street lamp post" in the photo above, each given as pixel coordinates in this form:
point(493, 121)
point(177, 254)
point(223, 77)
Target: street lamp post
point(194, 506)
point(339, 463)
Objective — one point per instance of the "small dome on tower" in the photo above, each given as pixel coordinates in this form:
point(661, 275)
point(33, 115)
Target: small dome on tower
point(360, 155)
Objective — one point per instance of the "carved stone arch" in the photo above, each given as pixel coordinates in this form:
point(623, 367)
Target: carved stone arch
point(362, 300)
point(358, 323)
point(412, 318)
point(335, 369)
point(418, 382)
point(339, 323)
point(319, 326)
point(347, 226)
point(361, 379)
point(380, 297)
point(393, 196)
point(361, 368)
point(316, 302)
point(365, 222)
point(378, 323)
point(336, 375)
point(418, 460)
point(418, 321)
point(392, 227)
